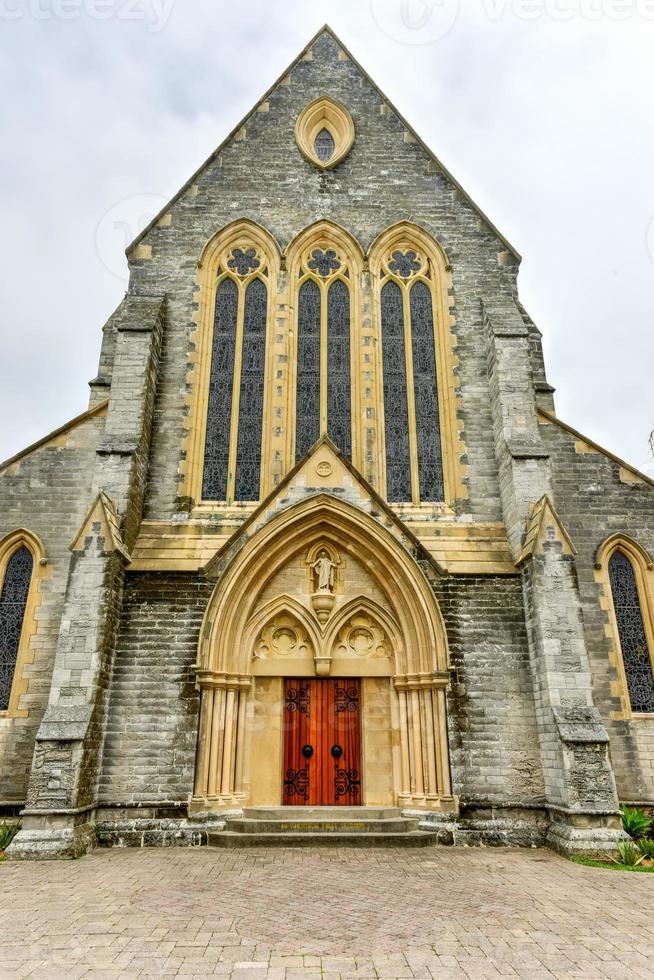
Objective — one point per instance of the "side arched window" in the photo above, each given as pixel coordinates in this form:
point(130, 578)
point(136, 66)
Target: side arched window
point(234, 424)
point(631, 617)
point(21, 558)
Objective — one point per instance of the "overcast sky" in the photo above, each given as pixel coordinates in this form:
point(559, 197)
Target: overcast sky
point(541, 108)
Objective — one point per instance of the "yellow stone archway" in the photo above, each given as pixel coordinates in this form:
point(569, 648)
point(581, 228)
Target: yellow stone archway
point(405, 621)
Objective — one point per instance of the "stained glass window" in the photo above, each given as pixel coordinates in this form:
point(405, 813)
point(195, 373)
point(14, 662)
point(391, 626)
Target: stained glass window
point(324, 263)
point(324, 145)
point(248, 453)
point(396, 416)
point(216, 453)
point(430, 464)
point(307, 426)
point(631, 629)
point(244, 261)
point(13, 600)
point(339, 388)
point(405, 264)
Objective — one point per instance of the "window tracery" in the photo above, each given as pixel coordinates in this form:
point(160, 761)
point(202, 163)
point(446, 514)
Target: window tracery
point(404, 264)
point(323, 373)
point(235, 402)
point(244, 261)
point(322, 348)
point(414, 465)
point(324, 263)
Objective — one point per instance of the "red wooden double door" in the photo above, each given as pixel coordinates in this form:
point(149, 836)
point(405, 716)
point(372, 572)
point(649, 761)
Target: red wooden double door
point(322, 742)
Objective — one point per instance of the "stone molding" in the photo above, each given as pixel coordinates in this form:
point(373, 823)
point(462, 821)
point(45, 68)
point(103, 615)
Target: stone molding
point(104, 517)
point(544, 527)
point(325, 113)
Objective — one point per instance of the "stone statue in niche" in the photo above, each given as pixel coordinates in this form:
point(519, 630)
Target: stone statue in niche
point(323, 576)
point(324, 571)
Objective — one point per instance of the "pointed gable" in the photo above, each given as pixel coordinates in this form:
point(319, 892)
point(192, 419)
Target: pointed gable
point(325, 67)
point(544, 527)
point(323, 471)
point(102, 522)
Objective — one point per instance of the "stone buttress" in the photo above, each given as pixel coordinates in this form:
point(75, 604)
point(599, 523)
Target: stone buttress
point(62, 794)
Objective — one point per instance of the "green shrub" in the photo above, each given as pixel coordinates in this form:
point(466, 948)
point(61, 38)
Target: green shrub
point(635, 821)
point(7, 833)
point(630, 856)
point(646, 847)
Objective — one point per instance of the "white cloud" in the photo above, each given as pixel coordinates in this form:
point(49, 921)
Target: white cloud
point(546, 122)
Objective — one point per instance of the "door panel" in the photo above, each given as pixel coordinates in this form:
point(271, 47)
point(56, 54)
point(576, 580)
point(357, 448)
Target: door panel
point(297, 714)
point(322, 743)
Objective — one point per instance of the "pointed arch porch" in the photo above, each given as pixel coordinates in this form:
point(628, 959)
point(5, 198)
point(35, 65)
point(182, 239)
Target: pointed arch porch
point(416, 676)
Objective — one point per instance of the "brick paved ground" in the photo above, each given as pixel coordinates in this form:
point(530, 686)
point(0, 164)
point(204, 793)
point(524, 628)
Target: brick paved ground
point(290, 914)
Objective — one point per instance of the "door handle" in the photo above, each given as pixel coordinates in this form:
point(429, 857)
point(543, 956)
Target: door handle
point(307, 751)
point(337, 751)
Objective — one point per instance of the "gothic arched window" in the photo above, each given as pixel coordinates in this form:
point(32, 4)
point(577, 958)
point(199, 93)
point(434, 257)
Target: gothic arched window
point(307, 428)
point(323, 395)
point(21, 561)
point(633, 626)
point(396, 412)
point(412, 434)
point(235, 404)
point(13, 600)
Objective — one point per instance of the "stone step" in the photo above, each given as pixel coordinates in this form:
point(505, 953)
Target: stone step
point(323, 825)
point(414, 838)
point(321, 812)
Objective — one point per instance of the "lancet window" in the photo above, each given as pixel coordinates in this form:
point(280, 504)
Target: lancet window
point(22, 563)
point(323, 374)
point(634, 630)
point(235, 404)
point(414, 465)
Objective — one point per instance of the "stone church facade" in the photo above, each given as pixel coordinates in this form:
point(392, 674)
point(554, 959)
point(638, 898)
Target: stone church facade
point(320, 538)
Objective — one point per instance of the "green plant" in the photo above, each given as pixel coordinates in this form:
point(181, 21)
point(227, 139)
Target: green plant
point(646, 847)
point(612, 865)
point(7, 833)
point(635, 821)
point(630, 856)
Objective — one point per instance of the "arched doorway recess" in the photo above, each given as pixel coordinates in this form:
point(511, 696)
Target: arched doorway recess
point(322, 590)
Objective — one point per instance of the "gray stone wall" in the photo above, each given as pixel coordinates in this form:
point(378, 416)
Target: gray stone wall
point(594, 503)
point(153, 708)
point(47, 492)
point(152, 719)
point(494, 746)
point(385, 179)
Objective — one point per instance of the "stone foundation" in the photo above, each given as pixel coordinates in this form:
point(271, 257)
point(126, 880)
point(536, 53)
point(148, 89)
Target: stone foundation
point(501, 826)
point(590, 835)
point(52, 837)
point(171, 825)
